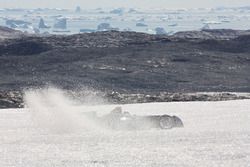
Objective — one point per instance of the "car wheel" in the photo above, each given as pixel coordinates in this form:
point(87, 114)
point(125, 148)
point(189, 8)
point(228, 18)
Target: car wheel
point(177, 122)
point(166, 122)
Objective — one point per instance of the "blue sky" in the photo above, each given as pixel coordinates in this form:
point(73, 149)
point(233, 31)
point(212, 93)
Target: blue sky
point(121, 3)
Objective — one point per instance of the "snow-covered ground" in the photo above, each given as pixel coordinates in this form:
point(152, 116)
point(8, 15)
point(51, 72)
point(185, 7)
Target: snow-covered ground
point(215, 134)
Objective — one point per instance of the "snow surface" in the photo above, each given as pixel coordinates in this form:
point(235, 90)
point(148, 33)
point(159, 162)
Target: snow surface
point(215, 134)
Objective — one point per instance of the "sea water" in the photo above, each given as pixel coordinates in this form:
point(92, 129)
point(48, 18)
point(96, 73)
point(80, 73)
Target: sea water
point(171, 20)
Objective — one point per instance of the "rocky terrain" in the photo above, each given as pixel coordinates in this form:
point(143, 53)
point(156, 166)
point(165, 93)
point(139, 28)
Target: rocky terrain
point(8, 33)
point(216, 34)
point(137, 66)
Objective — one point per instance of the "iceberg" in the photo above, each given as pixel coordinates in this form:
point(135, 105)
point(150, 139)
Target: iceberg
point(150, 31)
point(131, 10)
point(78, 9)
point(127, 29)
point(87, 30)
point(42, 24)
point(212, 22)
point(106, 27)
point(206, 27)
point(61, 23)
point(103, 26)
point(173, 25)
point(118, 11)
point(160, 31)
point(141, 25)
point(17, 23)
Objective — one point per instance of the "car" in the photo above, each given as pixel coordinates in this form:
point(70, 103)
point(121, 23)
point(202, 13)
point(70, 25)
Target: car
point(118, 120)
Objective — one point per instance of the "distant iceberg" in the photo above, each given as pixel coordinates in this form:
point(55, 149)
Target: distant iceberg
point(61, 31)
point(106, 27)
point(150, 31)
point(225, 21)
point(87, 30)
point(17, 23)
point(141, 25)
point(141, 20)
point(131, 10)
point(127, 29)
point(103, 27)
point(61, 23)
point(173, 25)
point(119, 11)
point(42, 25)
point(78, 9)
point(212, 22)
point(160, 31)
point(206, 27)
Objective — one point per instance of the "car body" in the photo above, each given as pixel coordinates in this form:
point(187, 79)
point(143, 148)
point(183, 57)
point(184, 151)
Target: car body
point(119, 120)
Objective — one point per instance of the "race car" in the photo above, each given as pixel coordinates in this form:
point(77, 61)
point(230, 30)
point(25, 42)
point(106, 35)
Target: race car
point(119, 120)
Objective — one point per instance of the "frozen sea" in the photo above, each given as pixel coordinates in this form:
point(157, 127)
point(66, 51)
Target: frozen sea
point(171, 20)
point(215, 134)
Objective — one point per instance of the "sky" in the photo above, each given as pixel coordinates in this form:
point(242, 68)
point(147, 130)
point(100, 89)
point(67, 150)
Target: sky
point(171, 4)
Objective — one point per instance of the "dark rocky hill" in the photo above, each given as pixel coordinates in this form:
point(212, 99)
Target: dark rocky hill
point(129, 62)
point(6, 33)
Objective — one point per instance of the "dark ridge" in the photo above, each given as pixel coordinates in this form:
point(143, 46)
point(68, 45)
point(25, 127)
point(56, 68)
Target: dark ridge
point(8, 33)
point(23, 47)
point(6, 30)
point(180, 60)
point(217, 34)
point(238, 45)
point(128, 62)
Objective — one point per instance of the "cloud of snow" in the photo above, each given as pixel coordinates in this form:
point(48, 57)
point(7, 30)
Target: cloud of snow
point(54, 111)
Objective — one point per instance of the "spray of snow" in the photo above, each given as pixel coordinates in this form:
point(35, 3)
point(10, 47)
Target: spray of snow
point(53, 111)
